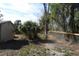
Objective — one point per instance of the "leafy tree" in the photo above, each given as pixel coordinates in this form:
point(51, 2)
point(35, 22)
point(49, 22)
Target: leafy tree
point(42, 22)
point(59, 14)
point(64, 15)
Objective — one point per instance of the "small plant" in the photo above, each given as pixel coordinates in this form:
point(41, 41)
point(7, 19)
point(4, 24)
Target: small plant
point(41, 36)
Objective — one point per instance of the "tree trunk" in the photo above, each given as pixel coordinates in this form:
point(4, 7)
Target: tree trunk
point(46, 24)
point(64, 22)
point(72, 23)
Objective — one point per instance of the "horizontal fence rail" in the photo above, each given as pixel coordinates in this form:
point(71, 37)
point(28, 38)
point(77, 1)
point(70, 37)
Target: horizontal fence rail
point(60, 32)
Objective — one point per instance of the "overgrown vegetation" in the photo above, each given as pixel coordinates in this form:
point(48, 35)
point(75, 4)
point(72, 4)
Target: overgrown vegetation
point(36, 50)
point(33, 50)
point(30, 29)
point(65, 17)
point(59, 17)
point(66, 51)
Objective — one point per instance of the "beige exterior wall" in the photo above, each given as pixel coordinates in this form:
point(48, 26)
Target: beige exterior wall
point(6, 32)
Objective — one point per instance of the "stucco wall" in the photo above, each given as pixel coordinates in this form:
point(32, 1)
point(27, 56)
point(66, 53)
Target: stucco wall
point(6, 31)
point(0, 32)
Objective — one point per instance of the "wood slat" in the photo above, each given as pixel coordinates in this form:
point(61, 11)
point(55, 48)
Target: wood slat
point(60, 32)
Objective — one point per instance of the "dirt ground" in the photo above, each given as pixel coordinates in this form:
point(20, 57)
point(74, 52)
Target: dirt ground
point(11, 48)
point(60, 42)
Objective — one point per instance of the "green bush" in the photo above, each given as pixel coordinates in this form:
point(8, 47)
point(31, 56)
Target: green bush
point(41, 36)
point(30, 29)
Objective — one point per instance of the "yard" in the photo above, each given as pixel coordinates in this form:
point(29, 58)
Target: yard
point(31, 23)
point(55, 46)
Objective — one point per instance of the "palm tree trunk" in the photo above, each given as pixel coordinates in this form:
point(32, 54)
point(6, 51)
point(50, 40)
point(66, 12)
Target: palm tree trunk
point(46, 24)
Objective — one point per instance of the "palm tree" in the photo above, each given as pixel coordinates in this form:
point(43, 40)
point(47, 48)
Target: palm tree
point(46, 18)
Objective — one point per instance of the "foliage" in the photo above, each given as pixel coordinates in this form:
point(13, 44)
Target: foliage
point(55, 15)
point(53, 7)
point(65, 17)
point(33, 50)
point(42, 22)
point(30, 29)
point(77, 21)
point(66, 51)
point(41, 36)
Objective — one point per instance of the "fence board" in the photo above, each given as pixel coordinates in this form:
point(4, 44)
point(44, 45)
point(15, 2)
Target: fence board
point(60, 32)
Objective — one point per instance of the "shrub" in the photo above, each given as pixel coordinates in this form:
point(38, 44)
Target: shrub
point(30, 29)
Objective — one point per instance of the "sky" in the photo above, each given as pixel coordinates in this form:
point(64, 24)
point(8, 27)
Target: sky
point(20, 10)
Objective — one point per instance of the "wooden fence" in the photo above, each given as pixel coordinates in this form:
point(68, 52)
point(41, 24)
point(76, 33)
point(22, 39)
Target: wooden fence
point(60, 32)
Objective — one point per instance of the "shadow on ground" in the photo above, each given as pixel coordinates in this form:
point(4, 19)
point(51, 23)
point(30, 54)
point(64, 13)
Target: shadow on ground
point(39, 40)
point(17, 44)
point(47, 41)
point(13, 44)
